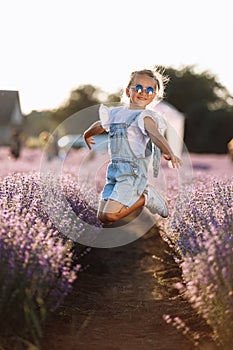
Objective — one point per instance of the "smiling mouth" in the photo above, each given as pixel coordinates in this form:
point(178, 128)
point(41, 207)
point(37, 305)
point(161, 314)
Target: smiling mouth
point(141, 98)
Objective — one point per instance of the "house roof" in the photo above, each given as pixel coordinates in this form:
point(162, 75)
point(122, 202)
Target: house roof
point(9, 100)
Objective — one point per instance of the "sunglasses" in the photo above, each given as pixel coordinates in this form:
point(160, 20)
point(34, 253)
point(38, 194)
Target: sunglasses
point(139, 89)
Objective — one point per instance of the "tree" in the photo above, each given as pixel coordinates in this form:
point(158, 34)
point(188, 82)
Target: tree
point(208, 108)
point(36, 122)
point(80, 98)
point(206, 104)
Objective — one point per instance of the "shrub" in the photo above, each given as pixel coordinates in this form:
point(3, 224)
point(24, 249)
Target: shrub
point(201, 233)
point(37, 269)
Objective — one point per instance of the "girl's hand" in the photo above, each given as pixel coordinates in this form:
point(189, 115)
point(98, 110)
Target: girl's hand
point(89, 141)
point(95, 129)
point(176, 162)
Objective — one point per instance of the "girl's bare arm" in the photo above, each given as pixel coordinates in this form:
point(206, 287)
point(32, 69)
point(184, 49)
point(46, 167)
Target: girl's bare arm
point(95, 129)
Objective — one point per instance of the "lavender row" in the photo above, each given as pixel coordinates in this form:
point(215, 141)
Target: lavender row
point(201, 234)
point(37, 262)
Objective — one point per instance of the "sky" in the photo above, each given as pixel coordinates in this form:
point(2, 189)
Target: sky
point(50, 47)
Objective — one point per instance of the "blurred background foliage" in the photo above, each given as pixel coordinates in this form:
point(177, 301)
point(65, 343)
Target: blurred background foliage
point(205, 103)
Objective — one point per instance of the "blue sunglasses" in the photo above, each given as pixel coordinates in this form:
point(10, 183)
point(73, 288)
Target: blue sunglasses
point(139, 89)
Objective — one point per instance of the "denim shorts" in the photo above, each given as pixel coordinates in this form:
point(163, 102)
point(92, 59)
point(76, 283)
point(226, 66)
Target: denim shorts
point(125, 182)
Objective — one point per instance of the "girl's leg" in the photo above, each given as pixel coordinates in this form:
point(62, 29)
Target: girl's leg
point(102, 204)
point(101, 213)
point(111, 211)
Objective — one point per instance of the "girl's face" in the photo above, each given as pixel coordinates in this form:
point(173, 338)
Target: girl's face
point(140, 92)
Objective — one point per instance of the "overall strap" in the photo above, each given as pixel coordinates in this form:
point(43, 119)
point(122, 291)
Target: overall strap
point(131, 118)
point(156, 160)
point(156, 156)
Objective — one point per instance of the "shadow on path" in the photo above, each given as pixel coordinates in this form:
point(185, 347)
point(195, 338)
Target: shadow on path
point(118, 304)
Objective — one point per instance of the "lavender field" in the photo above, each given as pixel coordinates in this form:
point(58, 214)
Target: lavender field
point(38, 264)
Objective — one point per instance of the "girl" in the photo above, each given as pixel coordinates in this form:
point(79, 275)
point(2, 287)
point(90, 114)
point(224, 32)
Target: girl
point(132, 130)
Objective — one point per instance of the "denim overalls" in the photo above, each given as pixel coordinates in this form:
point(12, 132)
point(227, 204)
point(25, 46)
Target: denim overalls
point(126, 173)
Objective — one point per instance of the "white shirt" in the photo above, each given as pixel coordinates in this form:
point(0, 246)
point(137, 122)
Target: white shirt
point(137, 135)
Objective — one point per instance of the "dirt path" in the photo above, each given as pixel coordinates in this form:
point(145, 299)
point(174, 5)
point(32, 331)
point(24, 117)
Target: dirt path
point(118, 304)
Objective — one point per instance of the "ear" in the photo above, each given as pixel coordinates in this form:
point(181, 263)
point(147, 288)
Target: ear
point(127, 92)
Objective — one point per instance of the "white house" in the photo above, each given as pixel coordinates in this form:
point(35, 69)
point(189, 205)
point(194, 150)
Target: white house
point(176, 123)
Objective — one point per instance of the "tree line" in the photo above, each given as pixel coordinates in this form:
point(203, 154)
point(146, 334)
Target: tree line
point(205, 102)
